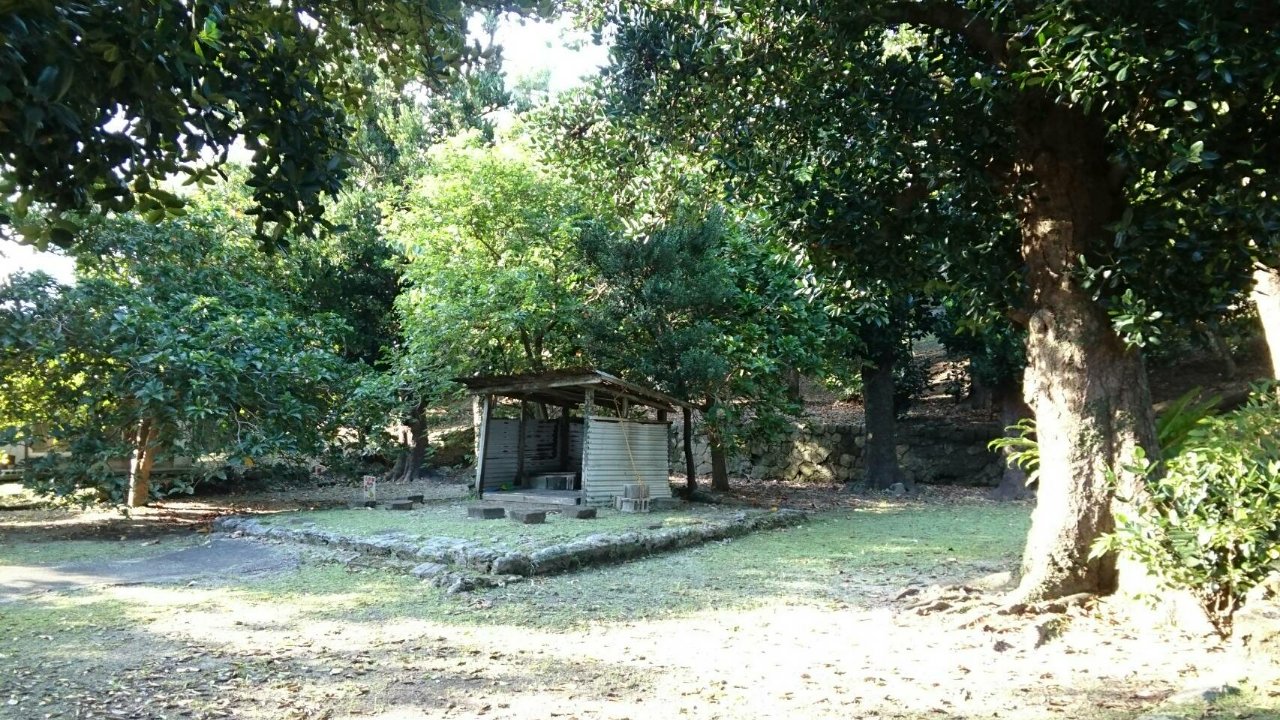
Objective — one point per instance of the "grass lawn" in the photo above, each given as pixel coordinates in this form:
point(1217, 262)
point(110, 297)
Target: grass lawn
point(450, 520)
point(800, 622)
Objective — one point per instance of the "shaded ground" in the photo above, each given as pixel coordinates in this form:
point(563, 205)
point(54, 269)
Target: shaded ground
point(810, 622)
point(181, 515)
point(215, 558)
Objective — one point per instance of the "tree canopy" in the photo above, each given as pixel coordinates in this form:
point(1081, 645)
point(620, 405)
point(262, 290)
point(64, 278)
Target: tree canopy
point(1132, 143)
point(173, 342)
point(102, 101)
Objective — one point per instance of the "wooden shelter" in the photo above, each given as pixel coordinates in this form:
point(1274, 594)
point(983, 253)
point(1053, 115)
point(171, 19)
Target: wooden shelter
point(584, 452)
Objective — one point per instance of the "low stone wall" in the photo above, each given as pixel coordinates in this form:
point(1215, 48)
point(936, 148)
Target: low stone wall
point(930, 451)
point(450, 562)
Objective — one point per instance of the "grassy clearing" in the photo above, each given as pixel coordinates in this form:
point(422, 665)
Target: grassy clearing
point(829, 561)
point(450, 520)
point(788, 623)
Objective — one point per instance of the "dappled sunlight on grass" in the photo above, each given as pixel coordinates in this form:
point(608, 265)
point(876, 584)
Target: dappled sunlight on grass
point(450, 520)
point(789, 623)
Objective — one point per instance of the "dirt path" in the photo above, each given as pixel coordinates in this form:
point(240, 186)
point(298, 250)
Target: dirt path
point(219, 557)
point(810, 622)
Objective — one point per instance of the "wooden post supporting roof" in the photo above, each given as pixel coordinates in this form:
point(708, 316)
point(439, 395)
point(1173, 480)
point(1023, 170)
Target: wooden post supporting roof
point(519, 479)
point(486, 413)
point(563, 450)
point(588, 409)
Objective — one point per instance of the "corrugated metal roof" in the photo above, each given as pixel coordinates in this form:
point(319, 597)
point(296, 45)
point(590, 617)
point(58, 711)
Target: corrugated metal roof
point(569, 386)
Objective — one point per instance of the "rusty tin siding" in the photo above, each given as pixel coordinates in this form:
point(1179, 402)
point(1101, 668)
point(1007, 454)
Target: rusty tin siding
point(621, 452)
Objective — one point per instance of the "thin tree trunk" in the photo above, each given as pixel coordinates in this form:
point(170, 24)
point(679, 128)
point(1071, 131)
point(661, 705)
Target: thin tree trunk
point(415, 456)
point(1266, 296)
point(690, 465)
point(792, 377)
point(144, 456)
point(882, 425)
point(719, 463)
point(1013, 480)
point(980, 395)
point(1089, 392)
point(1221, 350)
point(477, 415)
point(715, 443)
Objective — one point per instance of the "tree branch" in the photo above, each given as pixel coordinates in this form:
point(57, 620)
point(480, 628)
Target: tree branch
point(949, 16)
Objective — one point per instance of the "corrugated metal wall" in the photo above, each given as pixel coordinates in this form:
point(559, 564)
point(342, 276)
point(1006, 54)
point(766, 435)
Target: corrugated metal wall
point(621, 452)
point(541, 449)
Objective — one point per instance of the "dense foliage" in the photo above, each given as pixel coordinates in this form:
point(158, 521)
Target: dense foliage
point(707, 310)
point(174, 343)
point(492, 281)
point(1132, 144)
point(101, 101)
point(1208, 523)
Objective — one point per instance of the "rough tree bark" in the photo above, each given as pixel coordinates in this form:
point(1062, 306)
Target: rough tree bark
point(412, 462)
point(1221, 350)
point(690, 466)
point(1266, 296)
point(1013, 481)
point(1089, 392)
point(881, 457)
point(719, 459)
point(791, 377)
point(144, 456)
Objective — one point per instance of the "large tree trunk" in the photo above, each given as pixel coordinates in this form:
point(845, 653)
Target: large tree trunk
point(1266, 296)
point(719, 463)
point(690, 465)
point(1089, 392)
point(144, 456)
point(1013, 480)
point(413, 461)
point(715, 443)
point(881, 457)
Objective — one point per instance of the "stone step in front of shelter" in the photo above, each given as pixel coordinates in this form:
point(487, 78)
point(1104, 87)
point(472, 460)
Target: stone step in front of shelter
point(537, 497)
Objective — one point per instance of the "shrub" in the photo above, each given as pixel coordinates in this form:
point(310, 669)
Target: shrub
point(910, 382)
point(1210, 523)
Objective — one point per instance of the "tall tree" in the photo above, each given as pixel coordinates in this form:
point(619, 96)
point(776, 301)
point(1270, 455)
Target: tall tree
point(862, 209)
point(492, 279)
point(174, 341)
point(703, 304)
point(705, 311)
point(1142, 140)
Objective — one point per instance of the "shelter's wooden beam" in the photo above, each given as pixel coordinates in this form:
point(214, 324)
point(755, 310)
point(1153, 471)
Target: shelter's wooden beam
point(513, 387)
point(550, 397)
point(535, 384)
point(619, 398)
point(654, 398)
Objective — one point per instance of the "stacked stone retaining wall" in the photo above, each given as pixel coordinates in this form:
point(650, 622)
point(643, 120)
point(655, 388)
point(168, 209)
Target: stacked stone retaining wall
point(930, 451)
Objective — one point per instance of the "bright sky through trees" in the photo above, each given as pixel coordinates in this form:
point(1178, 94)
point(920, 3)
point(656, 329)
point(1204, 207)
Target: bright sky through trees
point(528, 47)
